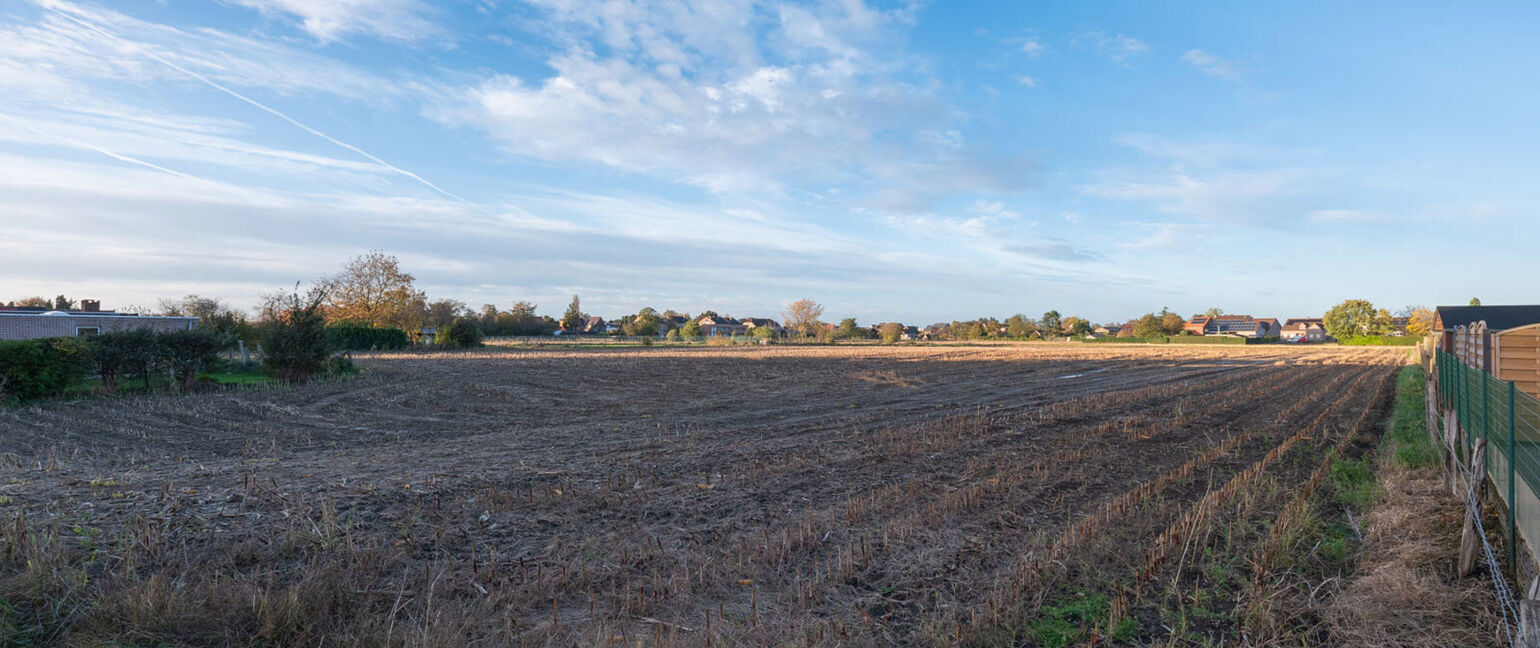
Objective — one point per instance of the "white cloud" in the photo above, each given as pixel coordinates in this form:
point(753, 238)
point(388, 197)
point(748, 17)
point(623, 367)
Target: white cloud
point(1026, 81)
point(1032, 48)
point(329, 20)
point(1117, 48)
point(738, 97)
point(1210, 64)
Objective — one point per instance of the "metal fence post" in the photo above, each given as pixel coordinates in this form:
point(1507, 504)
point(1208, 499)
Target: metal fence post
point(1486, 418)
point(1513, 460)
point(1461, 411)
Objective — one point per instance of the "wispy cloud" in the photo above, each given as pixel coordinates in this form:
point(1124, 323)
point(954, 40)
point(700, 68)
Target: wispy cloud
point(1160, 236)
point(1117, 48)
point(1345, 216)
point(1057, 250)
point(739, 98)
point(64, 12)
point(58, 59)
point(1026, 81)
point(1210, 64)
point(329, 20)
point(1032, 48)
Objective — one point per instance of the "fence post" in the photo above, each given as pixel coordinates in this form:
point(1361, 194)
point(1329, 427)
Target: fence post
point(1465, 413)
point(1513, 460)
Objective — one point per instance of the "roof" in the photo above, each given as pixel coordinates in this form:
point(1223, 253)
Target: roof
point(759, 321)
point(93, 316)
point(1498, 318)
point(1302, 321)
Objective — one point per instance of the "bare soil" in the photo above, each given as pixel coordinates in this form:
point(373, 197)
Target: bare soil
point(909, 495)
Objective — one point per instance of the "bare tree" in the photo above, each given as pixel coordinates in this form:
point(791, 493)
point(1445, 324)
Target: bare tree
point(212, 314)
point(802, 316)
point(372, 288)
point(444, 312)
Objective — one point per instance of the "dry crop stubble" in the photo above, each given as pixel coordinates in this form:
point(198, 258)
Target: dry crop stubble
point(687, 496)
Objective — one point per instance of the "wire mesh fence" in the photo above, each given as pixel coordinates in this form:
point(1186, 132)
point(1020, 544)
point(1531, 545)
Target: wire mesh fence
point(1509, 420)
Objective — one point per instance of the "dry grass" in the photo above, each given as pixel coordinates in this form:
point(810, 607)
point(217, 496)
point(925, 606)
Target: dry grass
point(1404, 593)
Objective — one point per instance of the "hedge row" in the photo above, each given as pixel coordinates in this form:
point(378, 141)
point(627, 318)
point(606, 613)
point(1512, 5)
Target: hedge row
point(1381, 340)
point(365, 337)
point(1180, 339)
point(31, 369)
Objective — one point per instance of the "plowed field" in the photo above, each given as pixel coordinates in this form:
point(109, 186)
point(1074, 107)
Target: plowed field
point(917, 495)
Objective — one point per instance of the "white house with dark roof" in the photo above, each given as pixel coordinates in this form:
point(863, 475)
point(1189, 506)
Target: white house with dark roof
point(22, 323)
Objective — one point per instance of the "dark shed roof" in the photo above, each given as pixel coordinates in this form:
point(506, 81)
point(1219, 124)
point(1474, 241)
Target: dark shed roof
point(1498, 318)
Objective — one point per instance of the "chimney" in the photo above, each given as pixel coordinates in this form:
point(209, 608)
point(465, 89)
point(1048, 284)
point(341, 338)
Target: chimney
point(91, 305)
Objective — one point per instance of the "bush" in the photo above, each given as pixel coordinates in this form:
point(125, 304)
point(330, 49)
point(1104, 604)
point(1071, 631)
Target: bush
point(673, 335)
point(117, 354)
point(354, 336)
point(189, 353)
point(32, 369)
point(294, 344)
point(462, 334)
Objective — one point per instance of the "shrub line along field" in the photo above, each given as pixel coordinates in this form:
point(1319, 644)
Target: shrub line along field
point(974, 495)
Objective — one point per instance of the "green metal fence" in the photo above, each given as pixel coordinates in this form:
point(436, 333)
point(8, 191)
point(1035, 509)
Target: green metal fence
point(1509, 420)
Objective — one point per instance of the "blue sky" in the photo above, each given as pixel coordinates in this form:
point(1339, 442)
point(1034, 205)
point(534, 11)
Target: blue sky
point(911, 161)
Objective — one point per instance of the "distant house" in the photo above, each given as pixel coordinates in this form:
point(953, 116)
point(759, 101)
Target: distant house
point(590, 326)
point(721, 327)
point(913, 333)
point(1308, 329)
point(751, 323)
point(1241, 325)
point(26, 323)
point(1101, 330)
point(1127, 329)
point(667, 324)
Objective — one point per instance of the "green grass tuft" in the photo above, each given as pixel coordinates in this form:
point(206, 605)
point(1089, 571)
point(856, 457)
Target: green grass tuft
point(1070, 621)
point(1407, 433)
point(1353, 480)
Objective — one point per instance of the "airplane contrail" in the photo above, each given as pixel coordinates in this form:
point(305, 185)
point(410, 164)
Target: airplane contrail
point(107, 152)
point(275, 112)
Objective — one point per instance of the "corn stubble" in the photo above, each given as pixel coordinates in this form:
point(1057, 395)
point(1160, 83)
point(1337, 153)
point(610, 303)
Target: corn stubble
point(612, 497)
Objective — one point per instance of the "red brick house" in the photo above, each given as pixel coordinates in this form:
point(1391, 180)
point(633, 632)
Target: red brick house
point(721, 327)
point(1242, 325)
